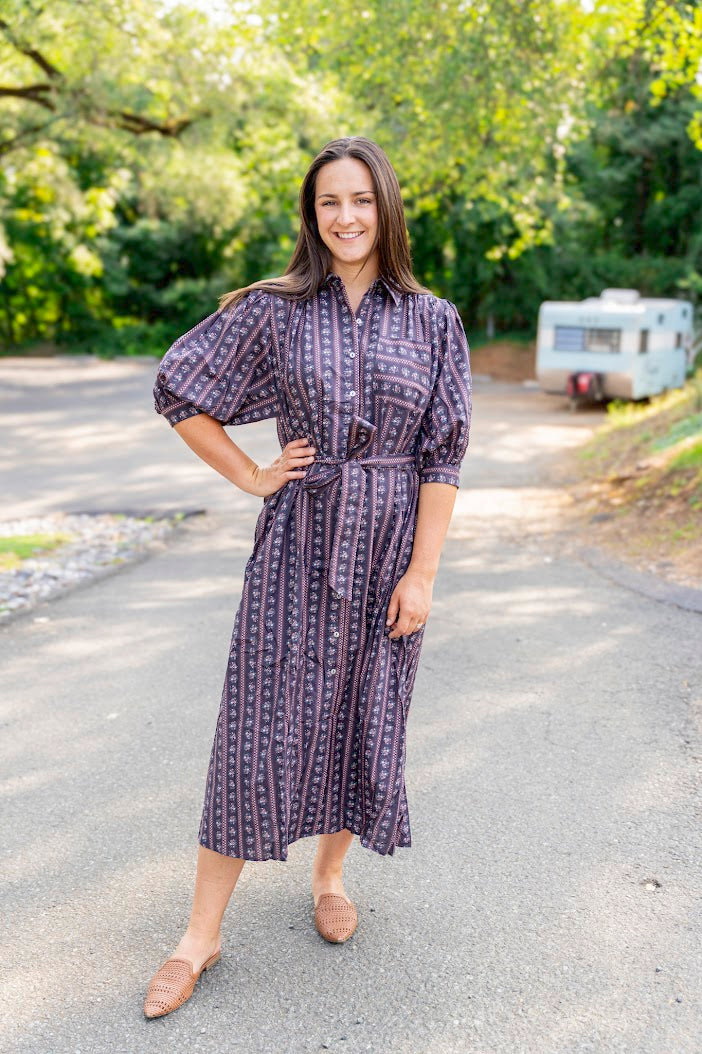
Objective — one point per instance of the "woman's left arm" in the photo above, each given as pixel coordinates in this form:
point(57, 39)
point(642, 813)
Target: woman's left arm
point(434, 511)
point(443, 442)
point(411, 599)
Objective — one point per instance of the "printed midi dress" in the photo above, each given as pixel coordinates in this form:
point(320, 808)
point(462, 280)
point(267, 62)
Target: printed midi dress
point(310, 736)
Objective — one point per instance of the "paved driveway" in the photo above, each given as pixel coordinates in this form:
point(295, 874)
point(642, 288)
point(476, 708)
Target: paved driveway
point(550, 901)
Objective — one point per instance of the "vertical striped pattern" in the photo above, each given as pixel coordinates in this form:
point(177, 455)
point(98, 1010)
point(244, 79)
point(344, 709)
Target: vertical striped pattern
point(310, 736)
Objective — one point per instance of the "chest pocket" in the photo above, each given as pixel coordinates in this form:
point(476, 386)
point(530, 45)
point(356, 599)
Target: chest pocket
point(402, 373)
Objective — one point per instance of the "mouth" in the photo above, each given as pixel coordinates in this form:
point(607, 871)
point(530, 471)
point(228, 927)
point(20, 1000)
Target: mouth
point(348, 236)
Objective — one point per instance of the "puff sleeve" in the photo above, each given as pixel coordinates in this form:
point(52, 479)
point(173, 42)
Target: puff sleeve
point(443, 436)
point(223, 367)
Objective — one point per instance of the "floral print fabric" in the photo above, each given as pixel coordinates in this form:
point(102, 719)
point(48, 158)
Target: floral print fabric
point(310, 736)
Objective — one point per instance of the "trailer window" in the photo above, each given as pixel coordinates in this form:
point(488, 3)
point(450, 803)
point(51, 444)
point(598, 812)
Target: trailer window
point(577, 338)
point(643, 342)
point(602, 340)
point(569, 338)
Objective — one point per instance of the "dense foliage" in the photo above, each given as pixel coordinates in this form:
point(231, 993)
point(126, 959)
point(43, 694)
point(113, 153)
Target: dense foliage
point(150, 152)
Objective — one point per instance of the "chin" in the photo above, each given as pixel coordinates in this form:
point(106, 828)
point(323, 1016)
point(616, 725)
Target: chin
point(350, 253)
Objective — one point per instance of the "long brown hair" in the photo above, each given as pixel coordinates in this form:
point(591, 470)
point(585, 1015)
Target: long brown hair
point(311, 259)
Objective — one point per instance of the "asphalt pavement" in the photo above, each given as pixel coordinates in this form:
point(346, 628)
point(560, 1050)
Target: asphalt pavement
point(550, 902)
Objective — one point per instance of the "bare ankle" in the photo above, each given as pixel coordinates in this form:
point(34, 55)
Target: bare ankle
point(327, 870)
point(201, 935)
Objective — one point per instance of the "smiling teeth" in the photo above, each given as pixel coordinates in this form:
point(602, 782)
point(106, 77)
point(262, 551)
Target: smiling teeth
point(347, 237)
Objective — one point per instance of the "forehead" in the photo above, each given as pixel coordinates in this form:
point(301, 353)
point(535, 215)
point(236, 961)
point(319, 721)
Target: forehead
point(348, 175)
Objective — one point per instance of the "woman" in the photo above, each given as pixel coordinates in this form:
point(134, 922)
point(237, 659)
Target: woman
point(368, 376)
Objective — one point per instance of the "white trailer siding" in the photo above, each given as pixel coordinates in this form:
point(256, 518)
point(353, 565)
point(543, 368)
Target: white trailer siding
point(638, 345)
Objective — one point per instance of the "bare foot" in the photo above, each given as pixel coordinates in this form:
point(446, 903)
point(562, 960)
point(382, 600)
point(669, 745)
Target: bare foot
point(327, 882)
point(197, 948)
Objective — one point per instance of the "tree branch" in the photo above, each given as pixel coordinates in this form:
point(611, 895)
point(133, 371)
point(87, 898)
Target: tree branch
point(39, 94)
point(47, 67)
point(32, 93)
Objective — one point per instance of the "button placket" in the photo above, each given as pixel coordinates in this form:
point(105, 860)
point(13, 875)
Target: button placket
point(365, 319)
point(352, 354)
point(354, 358)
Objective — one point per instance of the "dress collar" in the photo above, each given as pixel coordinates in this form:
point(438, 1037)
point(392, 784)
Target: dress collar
point(331, 276)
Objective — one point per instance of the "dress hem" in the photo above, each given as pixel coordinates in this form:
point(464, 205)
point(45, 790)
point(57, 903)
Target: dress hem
point(364, 841)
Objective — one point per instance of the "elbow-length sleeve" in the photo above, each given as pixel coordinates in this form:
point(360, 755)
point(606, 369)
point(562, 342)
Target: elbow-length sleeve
point(223, 367)
point(445, 426)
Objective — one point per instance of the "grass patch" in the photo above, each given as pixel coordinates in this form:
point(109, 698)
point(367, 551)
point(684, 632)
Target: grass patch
point(634, 432)
point(682, 429)
point(679, 402)
point(18, 547)
point(689, 531)
point(690, 457)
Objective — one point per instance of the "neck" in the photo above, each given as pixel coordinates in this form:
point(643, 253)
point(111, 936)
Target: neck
point(354, 279)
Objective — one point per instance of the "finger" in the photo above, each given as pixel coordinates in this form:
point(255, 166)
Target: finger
point(298, 469)
point(399, 631)
point(401, 626)
point(408, 624)
point(295, 457)
point(297, 445)
point(294, 466)
point(393, 609)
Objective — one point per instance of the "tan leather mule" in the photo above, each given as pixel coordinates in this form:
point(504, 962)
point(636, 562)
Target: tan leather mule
point(173, 984)
point(335, 917)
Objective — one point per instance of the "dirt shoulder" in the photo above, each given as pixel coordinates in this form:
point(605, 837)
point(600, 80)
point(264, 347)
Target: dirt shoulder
point(505, 360)
point(636, 485)
point(632, 488)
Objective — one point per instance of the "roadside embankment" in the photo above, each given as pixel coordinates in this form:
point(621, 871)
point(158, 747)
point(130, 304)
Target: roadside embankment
point(638, 484)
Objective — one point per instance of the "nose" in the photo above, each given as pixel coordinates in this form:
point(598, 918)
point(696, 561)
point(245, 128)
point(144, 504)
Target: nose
point(346, 213)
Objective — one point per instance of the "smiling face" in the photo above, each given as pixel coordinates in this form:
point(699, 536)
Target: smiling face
point(347, 216)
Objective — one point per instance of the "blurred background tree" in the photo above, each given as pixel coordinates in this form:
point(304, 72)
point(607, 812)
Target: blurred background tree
point(151, 152)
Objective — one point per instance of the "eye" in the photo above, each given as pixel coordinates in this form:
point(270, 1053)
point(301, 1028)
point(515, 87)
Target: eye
point(327, 203)
point(365, 201)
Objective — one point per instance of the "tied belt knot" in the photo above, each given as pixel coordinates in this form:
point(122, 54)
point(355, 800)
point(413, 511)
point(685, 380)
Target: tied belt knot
point(346, 519)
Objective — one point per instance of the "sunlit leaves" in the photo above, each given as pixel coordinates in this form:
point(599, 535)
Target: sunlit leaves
point(152, 149)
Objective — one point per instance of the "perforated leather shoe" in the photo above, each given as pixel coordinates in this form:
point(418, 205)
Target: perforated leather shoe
point(173, 984)
point(335, 917)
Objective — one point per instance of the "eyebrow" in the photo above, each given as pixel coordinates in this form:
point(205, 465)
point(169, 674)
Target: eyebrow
point(354, 195)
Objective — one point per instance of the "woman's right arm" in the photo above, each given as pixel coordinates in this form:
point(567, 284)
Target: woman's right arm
point(208, 439)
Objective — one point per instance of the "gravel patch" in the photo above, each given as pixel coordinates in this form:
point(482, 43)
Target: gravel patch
point(100, 543)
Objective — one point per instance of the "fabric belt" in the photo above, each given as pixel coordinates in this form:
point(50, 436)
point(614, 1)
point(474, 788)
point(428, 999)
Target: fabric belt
point(346, 520)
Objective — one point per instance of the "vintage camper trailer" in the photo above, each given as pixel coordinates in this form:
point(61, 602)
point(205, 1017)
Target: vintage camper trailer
point(618, 345)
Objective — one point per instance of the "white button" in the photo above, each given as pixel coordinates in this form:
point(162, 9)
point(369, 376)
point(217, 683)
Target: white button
point(332, 671)
point(352, 354)
point(352, 393)
point(358, 321)
point(336, 633)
